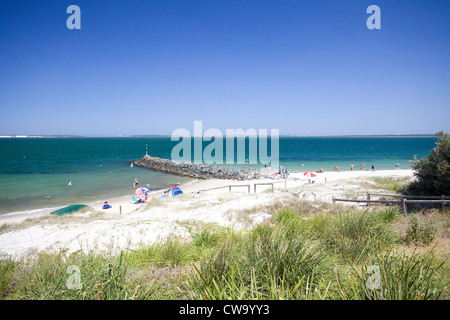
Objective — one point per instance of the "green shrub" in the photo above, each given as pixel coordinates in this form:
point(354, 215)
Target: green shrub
point(270, 263)
point(353, 236)
point(172, 253)
point(433, 172)
point(100, 278)
point(394, 276)
point(206, 238)
point(420, 232)
point(389, 214)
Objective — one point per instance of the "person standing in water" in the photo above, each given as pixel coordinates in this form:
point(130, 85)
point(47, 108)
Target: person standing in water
point(136, 182)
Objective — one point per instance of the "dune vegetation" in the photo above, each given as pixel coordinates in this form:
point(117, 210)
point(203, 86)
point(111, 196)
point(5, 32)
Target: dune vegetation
point(307, 250)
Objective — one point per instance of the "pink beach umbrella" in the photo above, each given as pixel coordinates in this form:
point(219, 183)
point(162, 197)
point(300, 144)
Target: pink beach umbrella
point(142, 191)
point(309, 174)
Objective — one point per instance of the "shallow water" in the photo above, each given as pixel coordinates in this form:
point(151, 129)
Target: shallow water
point(35, 173)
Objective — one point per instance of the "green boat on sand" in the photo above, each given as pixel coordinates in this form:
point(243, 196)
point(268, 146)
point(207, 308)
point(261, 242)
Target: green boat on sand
point(69, 209)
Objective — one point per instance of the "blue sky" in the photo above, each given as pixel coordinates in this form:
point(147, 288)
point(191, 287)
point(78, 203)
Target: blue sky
point(150, 67)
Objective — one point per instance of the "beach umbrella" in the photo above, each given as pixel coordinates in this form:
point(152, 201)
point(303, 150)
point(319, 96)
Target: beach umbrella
point(142, 191)
point(309, 174)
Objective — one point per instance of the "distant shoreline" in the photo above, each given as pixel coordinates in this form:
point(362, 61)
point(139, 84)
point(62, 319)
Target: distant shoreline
point(35, 136)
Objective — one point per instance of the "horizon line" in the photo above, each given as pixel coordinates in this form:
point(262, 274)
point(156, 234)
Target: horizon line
point(56, 136)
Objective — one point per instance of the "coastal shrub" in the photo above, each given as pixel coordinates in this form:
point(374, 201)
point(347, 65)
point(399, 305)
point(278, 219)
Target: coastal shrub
point(286, 216)
point(144, 255)
point(353, 236)
point(397, 276)
point(282, 254)
point(173, 252)
point(206, 238)
point(419, 231)
point(270, 263)
point(388, 214)
point(433, 171)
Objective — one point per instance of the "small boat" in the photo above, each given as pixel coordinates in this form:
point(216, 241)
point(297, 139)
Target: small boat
point(69, 209)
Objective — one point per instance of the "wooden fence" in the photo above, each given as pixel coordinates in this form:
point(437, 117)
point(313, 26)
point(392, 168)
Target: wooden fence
point(229, 187)
point(246, 185)
point(443, 200)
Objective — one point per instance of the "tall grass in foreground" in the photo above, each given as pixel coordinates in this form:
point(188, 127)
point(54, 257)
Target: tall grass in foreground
point(7, 267)
point(349, 254)
point(101, 278)
point(355, 236)
point(397, 276)
point(268, 263)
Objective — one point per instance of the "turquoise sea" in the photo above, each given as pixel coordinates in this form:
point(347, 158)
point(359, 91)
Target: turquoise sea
point(35, 172)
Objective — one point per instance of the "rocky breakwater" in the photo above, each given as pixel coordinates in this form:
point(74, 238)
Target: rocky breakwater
point(195, 170)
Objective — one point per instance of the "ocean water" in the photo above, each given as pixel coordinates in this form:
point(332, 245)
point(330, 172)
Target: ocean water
point(35, 172)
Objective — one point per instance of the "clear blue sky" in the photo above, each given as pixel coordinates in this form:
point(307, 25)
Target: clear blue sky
point(150, 67)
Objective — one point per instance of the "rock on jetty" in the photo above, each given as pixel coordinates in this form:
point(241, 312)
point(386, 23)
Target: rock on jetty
point(195, 170)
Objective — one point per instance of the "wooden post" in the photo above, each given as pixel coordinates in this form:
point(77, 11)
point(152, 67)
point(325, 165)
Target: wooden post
point(229, 188)
point(405, 209)
point(368, 196)
point(120, 209)
point(443, 203)
point(254, 187)
point(334, 201)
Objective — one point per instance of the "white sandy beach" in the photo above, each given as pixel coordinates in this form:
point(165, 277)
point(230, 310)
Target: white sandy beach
point(127, 225)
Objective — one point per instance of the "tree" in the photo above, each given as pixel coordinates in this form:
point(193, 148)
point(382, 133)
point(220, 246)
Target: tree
point(433, 171)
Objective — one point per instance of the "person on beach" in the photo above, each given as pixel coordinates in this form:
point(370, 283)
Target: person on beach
point(352, 166)
point(106, 205)
point(135, 183)
point(373, 167)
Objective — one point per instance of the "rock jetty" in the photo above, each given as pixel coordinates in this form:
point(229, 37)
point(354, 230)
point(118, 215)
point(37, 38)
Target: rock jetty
point(188, 169)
